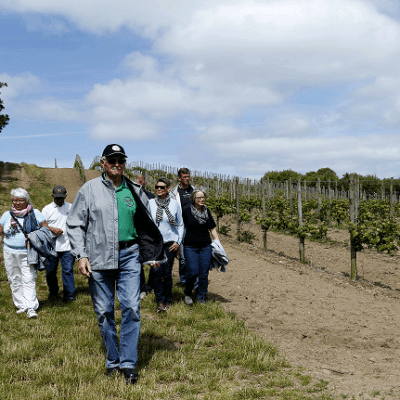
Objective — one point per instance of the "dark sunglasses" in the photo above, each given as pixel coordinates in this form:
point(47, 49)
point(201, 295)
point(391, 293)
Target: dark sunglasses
point(119, 160)
point(161, 187)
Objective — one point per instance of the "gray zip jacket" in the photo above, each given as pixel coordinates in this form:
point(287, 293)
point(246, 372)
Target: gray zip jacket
point(92, 225)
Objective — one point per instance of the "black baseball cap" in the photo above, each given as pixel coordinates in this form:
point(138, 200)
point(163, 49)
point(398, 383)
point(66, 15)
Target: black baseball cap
point(114, 149)
point(59, 191)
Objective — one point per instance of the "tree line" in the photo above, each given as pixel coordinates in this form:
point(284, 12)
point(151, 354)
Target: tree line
point(370, 183)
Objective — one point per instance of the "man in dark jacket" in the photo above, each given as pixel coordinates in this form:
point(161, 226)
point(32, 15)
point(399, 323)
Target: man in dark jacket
point(111, 232)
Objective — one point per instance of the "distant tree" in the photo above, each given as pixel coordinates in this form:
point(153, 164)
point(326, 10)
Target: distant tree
point(282, 176)
point(324, 174)
point(4, 118)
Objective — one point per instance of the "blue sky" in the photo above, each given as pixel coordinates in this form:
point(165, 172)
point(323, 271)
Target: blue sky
point(235, 87)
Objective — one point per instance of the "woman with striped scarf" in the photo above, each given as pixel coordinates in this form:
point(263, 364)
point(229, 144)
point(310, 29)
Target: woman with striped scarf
point(168, 216)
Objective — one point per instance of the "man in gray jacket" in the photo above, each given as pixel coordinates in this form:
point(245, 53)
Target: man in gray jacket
point(111, 232)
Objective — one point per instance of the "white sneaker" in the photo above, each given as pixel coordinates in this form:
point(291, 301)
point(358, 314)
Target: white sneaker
point(32, 313)
point(142, 295)
point(188, 301)
point(20, 311)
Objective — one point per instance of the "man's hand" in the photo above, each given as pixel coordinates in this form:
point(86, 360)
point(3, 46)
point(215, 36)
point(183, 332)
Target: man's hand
point(155, 265)
point(84, 266)
point(174, 247)
point(56, 231)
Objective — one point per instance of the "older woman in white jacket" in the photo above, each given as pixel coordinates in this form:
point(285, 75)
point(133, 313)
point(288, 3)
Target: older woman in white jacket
point(21, 275)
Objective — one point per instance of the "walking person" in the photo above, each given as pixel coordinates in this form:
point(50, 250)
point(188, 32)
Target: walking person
point(199, 225)
point(111, 232)
point(181, 194)
point(56, 214)
point(145, 287)
point(21, 275)
point(168, 217)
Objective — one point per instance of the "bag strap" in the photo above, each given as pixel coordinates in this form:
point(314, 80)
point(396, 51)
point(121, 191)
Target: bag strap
point(16, 220)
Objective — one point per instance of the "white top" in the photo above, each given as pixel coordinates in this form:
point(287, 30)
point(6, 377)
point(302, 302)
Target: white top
point(56, 217)
point(169, 232)
point(14, 239)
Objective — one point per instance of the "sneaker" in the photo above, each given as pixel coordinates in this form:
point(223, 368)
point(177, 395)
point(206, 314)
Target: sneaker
point(69, 300)
point(131, 376)
point(160, 308)
point(167, 307)
point(21, 310)
point(188, 301)
point(112, 371)
point(202, 301)
point(32, 313)
point(142, 295)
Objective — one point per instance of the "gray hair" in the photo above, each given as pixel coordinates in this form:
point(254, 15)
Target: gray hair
point(21, 194)
point(195, 191)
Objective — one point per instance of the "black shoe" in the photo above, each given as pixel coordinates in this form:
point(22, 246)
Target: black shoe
point(131, 376)
point(71, 299)
point(112, 371)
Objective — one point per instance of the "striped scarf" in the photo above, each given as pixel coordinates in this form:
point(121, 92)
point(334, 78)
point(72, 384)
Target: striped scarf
point(162, 204)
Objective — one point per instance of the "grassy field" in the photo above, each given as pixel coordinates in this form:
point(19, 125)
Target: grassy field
point(189, 353)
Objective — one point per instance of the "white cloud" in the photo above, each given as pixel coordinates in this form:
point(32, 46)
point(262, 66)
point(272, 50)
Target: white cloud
point(54, 109)
point(18, 85)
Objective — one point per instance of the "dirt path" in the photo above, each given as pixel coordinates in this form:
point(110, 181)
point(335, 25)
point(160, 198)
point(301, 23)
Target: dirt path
point(342, 332)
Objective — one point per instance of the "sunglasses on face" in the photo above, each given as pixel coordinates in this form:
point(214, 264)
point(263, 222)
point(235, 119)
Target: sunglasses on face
point(114, 160)
point(161, 187)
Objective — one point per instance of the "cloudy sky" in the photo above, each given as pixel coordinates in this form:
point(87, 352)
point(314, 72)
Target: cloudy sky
point(237, 87)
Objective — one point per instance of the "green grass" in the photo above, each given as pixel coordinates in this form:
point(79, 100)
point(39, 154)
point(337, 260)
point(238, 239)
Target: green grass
point(190, 353)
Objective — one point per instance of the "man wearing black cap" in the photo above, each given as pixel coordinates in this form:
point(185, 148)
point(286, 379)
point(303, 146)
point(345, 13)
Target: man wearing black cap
point(111, 233)
point(56, 214)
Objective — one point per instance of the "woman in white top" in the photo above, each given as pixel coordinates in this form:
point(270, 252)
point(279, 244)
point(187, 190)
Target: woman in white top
point(22, 277)
point(168, 216)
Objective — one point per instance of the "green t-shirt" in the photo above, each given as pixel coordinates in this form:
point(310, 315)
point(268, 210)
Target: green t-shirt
point(126, 213)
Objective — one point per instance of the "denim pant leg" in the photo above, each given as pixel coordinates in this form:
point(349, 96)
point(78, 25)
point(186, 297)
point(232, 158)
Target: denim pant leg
point(192, 268)
point(157, 274)
point(167, 274)
point(143, 287)
point(51, 276)
point(102, 290)
point(67, 266)
point(205, 255)
point(128, 291)
point(182, 265)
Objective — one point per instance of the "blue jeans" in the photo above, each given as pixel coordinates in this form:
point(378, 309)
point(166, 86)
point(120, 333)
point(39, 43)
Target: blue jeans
point(126, 281)
point(162, 277)
point(198, 260)
point(182, 265)
point(143, 286)
point(67, 268)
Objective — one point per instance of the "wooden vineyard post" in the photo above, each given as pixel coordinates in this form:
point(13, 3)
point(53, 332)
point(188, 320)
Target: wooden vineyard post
point(263, 212)
point(391, 199)
point(301, 236)
point(328, 217)
point(353, 228)
point(237, 210)
point(319, 194)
